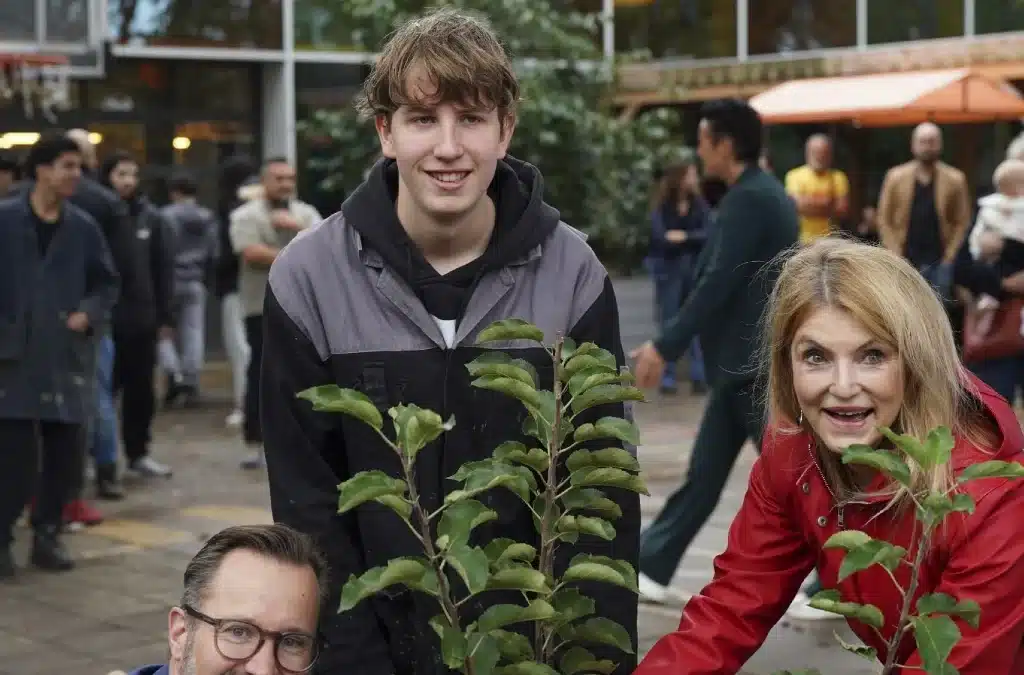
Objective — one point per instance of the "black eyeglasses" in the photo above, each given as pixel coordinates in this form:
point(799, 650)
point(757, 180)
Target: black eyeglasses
point(240, 640)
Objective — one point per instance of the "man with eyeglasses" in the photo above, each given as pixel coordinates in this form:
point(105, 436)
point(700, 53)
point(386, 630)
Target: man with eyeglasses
point(250, 606)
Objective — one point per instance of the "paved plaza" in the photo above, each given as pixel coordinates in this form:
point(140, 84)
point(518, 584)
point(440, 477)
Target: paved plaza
point(110, 614)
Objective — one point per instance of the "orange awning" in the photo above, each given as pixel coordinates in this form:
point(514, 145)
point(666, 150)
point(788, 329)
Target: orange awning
point(892, 99)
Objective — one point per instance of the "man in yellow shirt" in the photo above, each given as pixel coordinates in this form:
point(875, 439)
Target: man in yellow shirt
point(822, 194)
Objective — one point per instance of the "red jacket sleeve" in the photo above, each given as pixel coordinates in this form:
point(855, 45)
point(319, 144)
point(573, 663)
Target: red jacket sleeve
point(764, 563)
point(987, 566)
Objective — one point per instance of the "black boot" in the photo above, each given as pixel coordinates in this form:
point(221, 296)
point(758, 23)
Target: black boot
point(107, 487)
point(6, 563)
point(48, 552)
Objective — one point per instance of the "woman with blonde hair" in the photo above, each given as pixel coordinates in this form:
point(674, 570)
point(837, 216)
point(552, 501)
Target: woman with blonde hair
point(856, 340)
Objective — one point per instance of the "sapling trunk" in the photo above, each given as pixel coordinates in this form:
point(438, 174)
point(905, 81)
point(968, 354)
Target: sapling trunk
point(542, 644)
point(908, 601)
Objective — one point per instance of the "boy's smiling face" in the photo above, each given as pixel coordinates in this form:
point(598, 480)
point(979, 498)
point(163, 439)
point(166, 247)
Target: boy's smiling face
point(446, 152)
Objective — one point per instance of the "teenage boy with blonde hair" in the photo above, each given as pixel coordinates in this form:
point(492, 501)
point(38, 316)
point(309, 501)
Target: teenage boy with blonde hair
point(446, 235)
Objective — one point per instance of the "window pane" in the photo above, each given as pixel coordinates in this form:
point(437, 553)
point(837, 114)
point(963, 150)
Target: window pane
point(18, 20)
point(998, 16)
point(67, 20)
point(697, 29)
point(225, 88)
point(905, 20)
point(799, 25)
point(252, 24)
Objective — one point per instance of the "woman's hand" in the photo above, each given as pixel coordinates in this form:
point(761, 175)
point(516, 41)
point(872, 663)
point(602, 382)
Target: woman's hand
point(675, 236)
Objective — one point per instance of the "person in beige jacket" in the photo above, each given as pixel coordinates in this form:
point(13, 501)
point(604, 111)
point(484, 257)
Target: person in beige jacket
point(259, 230)
point(924, 209)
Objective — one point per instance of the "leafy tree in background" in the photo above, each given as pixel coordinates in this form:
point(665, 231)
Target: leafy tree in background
point(597, 168)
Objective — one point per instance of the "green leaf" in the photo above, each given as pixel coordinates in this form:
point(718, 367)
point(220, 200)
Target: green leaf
point(605, 394)
point(454, 646)
point(515, 452)
point(992, 469)
point(519, 579)
point(848, 540)
point(874, 552)
point(831, 601)
point(940, 603)
point(415, 573)
point(502, 551)
point(571, 605)
point(586, 567)
point(415, 427)
point(615, 458)
point(863, 651)
point(514, 647)
point(579, 660)
point(910, 446)
point(459, 520)
point(510, 387)
point(597, 527)
point(472, 565)
point(595, 359)
point(527, 668)
point(936, 506)
point(510, 329)
point(598, 477)
point(366, 486)
point(609, 427)
point(499, 616)
point(568, 348)
point(402, 507)
point(882, 460)
point(487, 474)
point(485, 653)
point(935, 636)
point(939, 445)
point(334, 399)
point(591, 499)
point(501, 364)
point(598, 630)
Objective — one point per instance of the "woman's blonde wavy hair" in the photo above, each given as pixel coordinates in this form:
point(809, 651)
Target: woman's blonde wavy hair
point(897, 306)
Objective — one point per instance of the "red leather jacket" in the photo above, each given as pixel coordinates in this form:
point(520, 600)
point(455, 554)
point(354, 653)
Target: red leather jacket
point(776, 540)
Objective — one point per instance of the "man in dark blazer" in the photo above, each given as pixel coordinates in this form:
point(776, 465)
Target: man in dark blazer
point(756, 222)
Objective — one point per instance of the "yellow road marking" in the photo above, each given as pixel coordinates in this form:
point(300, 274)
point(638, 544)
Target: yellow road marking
point(235, 515)
point(141, 534)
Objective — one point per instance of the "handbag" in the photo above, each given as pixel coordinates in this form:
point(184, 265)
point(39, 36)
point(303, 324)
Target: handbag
point(995, 333)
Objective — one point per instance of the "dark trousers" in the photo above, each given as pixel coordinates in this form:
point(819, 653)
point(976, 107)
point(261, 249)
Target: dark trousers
point(253, 431)
point(41, 459)
point(134, 368)
point(731, 416)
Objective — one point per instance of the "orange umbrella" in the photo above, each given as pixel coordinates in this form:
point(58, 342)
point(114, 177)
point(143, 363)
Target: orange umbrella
point(892, 99)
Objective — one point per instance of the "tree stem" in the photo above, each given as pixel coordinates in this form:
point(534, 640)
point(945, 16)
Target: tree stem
point(542, 643)
point(908, 599)
point(448, 605)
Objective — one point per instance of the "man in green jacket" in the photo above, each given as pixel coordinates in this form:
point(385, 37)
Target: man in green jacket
point(756, 222)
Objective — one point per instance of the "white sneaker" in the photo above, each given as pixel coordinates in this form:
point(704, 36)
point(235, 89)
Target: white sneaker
point(235, 419)
point(801, 610)
point(253, 458)
point(149, 467)
point(653, 592)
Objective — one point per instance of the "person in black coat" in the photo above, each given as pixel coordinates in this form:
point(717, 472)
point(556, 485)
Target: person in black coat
point(57, 288)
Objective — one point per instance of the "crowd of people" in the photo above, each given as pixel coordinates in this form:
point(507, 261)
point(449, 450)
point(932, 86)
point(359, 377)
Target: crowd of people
point(103, 289)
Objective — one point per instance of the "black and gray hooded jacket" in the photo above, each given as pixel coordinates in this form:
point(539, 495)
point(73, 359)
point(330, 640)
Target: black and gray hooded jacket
point(352, 301)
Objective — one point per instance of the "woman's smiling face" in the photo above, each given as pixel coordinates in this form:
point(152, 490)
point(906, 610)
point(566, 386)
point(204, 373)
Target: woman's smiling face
point(847, 382)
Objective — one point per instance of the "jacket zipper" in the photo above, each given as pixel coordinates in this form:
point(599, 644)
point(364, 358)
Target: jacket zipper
point(841, 508)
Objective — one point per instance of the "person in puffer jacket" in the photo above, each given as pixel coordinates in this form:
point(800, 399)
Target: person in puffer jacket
point(195, 236)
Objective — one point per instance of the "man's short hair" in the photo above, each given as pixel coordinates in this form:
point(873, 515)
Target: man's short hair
point(459, 52)
point(47, 149)
point(271, 161)
point(183, 183)
point(277, 542)
point(734, 119)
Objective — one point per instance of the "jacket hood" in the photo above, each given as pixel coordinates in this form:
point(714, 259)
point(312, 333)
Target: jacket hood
point(524, 220)
point(1000, 200)
point(251, 189)
point(191, 219)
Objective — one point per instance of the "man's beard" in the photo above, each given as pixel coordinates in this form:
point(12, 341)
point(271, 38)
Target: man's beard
point(188, 659)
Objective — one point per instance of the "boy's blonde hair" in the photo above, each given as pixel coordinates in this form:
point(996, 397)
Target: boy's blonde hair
point(459, 53)
point(1008, 172)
